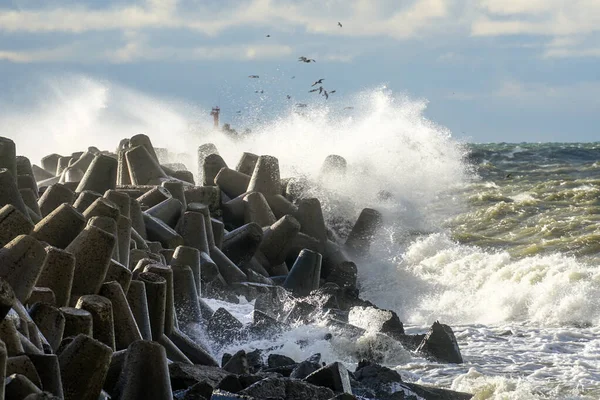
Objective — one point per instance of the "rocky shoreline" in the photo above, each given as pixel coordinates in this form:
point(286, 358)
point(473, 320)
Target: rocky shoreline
point(106, 259)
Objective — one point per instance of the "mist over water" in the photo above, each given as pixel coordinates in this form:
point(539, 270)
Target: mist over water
point(416, 174)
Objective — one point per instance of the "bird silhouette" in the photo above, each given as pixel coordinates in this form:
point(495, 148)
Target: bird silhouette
point(306, 60)
point(288, 97)
point(333, 91)
point(301, 105)
point(348, 108)
point(259, 91)
point(326, 94)
point(318, 82)
point(340, 24)
point(293, 77)
point(268, 35)
point(238, 111)
point(253, 76)
point(319, 89)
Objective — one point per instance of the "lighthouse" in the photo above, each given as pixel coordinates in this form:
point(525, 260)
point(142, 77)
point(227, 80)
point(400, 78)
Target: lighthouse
point(215, 114)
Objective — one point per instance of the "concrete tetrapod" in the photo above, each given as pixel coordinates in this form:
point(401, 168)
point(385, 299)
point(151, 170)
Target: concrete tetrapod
point(137, 299)
point(305, 274)
point(256, 209)
point(8, 156)
point(57, 274)
point(50, 162)
point(186, 255)
point(100, 176)
point(92, 249)
point(48, 369)
point(83, 367)
point(211, 167)
point(59, 227)
point(360, 238)
point(53, 197)
point(3, 358)
point(247, 163)
point(109, 225)
point(310, 216)
point(168, 211)
point(204, 150)
point(185, 295)
point(119, 273)
point(192, 228)
point(121, 200)
point(156, 298)
point(103, 326)
point(77, 321)
point(125, 327)
point(145, 373)
point(278, 239)
point(12, 224)
point(9, 192)
point(143, 140)
point(144, 169)
point(85, 199)
point(50, 321)
point(21, 262)
point(22, 365)
point(176, 188)
point(265, 177)
point(232, 182)
point(241, 244)
point(7, 298)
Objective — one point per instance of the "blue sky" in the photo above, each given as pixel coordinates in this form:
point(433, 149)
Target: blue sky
point(491, 70)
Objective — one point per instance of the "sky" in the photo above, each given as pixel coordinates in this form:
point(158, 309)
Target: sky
point(490, 70)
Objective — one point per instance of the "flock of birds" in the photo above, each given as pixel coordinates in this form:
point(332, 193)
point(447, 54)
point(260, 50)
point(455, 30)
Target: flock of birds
point(320, 89)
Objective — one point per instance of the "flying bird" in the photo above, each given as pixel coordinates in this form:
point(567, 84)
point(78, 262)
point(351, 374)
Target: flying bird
point(348, 108)
point(253, 76)
point(340, 24)
point(319, 89)
point(326, 94)
point(293, 77)
point(333, 91)
point(238, 111)
point(259, 91)
point(306, 60)
point(268, 35)
point(301, 105)
point(318, 82)
point(288, 97)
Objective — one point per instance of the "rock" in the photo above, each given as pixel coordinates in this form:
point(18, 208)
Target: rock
point(373, 318)
point(238, 364)
point(279, 360)
point(184, 375)
point(334, 376)
point(223, 326)
point(222, 395)
point(304, 369)
point(440, 344)
point(288, 389)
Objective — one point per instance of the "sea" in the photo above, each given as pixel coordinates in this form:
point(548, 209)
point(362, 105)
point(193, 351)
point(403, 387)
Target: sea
point(501, 241)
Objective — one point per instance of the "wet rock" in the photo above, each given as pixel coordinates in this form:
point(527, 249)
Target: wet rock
point(279, 360)
point(223, 327)
point(385, 321)
point(238, 364)
point(223, 395)
point(185, 375)
point(440, 344)
point(334, 376)
point(304, 369)
point(286, 388)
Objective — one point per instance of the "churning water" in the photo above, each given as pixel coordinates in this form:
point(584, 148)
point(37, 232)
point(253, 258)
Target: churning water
point(500, 241)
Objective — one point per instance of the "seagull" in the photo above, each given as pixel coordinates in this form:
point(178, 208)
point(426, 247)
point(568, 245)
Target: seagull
point(238, 111)
point(326, 94)
point(306, 60)
point(259, 91)
point(253, 76)
point(348, 108)
point(319, 89)
point(340, 24)
point(268, 35)
point(318, 82)
point(333, 91)
point(301, 105)
point(288, 97)
point(293, 77)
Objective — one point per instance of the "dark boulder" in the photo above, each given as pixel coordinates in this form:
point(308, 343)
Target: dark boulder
point(440, 344)
point(238, 364)
point(334, 376)
point(185, 375)
point(288, 389)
